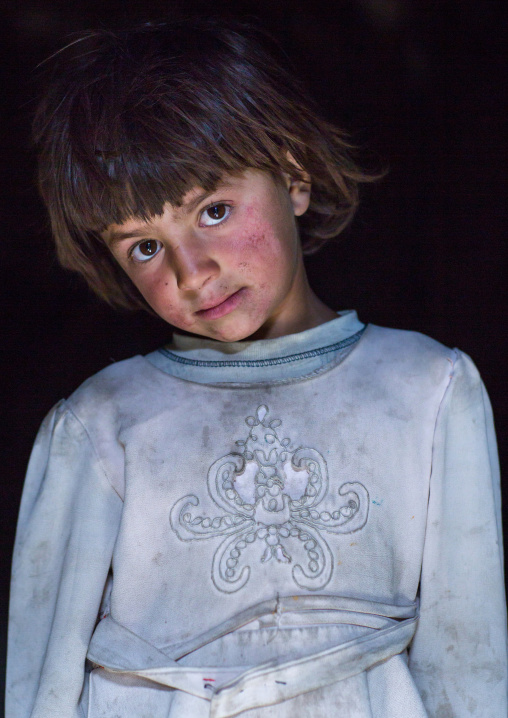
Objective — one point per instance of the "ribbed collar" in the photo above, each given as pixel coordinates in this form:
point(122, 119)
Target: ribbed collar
point(204, 360)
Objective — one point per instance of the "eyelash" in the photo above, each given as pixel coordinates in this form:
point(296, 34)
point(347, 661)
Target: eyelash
point(228, 207)
point(134, 247)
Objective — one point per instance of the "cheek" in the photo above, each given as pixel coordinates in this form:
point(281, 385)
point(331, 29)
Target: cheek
point(268, 234)
point(151, 288)
point(159, 296)
point(259, 243)
point(257, 257)
point(257, 234)
point(172, 313)
point(270, 261)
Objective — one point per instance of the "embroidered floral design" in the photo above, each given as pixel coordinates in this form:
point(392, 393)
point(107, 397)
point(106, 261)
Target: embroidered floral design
point(269, 493)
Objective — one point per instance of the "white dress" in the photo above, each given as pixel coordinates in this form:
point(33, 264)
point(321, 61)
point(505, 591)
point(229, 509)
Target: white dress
point(304, 526)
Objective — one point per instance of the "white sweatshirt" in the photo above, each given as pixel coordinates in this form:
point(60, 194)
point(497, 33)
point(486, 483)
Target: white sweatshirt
point(304, 526)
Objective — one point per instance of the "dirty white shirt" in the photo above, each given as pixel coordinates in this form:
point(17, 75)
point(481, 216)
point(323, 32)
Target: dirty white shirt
point(262, 528)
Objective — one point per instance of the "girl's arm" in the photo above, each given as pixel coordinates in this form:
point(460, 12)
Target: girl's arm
point(458, 656)
point(67, 526)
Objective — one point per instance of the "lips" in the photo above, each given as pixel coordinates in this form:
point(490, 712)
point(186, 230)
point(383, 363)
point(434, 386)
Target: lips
point(223, 307)
point(214, 303)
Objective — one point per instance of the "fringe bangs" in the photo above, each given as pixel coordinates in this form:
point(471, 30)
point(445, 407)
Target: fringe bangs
point(133, 120)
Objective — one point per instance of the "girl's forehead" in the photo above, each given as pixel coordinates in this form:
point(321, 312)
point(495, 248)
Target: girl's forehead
point(188, 202)
point(251, 181)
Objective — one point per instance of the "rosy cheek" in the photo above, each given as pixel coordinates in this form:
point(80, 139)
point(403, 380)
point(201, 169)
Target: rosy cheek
point(258, 241)
point(158, 296)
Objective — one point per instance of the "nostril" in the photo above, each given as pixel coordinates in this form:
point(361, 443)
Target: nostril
point(193, 283)
point(193, 276)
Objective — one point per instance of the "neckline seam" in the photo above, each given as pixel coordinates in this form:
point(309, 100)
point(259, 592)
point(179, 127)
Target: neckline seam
point(246, 363)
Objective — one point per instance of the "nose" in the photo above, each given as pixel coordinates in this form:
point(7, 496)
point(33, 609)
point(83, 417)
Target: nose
point(193, 266)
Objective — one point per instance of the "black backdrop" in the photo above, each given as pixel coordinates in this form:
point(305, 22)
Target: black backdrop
point(420, 84)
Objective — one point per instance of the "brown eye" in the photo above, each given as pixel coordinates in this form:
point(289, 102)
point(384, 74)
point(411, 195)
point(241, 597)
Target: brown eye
point(218, 211)
point(145, 250)
point(215, 214)
point(148, 248)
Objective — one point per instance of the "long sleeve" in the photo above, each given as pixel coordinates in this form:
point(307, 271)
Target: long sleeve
point(458, 657)
point(67, 527)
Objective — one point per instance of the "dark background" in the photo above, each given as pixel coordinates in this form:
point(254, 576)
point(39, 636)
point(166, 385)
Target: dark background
point(420, 85)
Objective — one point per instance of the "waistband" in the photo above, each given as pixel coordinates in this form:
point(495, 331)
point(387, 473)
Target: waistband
point(231, 690)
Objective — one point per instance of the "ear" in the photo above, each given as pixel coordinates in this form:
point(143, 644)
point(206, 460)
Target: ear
point(299, 190)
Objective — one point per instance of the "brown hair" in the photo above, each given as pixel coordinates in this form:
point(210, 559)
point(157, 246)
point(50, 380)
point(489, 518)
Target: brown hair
point(133, 119)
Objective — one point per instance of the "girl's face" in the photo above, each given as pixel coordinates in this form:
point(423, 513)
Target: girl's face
point(225, 265)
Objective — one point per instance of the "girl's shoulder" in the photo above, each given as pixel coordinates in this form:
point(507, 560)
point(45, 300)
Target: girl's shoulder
point(406, 345)
point(411, 358)
point(405, 361)
point(115, 392)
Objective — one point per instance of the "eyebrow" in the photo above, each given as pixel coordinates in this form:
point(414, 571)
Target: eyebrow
point(193, 203)
point(115, 236)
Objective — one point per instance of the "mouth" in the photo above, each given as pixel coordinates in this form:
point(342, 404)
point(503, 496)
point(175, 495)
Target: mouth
point(223, 307)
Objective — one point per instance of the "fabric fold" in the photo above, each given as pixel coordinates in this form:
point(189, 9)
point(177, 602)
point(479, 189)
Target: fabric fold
point(388, 631)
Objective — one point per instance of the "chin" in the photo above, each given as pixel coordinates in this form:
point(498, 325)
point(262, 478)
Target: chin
point(231, 336)
point(235, 332)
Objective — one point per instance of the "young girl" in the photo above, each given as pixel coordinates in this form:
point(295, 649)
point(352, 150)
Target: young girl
point(283, 512)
